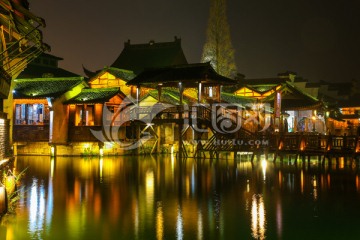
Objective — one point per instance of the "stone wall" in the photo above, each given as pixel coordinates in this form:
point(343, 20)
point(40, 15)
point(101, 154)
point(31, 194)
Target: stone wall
point(32, 148)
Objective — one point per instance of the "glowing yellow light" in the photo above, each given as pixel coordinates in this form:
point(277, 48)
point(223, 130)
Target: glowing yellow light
point(264, 166)
point(149, 180)
point(159, 222)
point(258, 217)
point(52, 151)
point(302, 181)
point(101, 152)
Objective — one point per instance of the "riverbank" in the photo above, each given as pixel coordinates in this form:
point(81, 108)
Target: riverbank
point(3, 164)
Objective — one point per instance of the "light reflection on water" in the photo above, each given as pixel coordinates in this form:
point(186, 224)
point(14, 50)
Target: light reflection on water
point(164, 198)
point(258, 220)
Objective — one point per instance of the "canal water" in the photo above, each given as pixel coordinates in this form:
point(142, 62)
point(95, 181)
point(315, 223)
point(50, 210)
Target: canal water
point(163, 198)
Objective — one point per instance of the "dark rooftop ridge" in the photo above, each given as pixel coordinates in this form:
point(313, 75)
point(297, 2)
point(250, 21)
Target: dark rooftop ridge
point(152, 43)
point(137, 57)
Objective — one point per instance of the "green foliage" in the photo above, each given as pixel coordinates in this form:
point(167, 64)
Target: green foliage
point(88, 152)
point(218, 49)
point(164, 150)
point(13, 188)
point(145, 149)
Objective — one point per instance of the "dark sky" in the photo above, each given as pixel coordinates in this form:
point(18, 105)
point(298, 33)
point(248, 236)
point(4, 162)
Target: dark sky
point(318, 39)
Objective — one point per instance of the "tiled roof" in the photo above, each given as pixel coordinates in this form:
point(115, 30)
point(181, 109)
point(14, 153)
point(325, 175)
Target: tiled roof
point(168, 96)
point(232, 98)
point(39, 71)
point(123, 74)
point(189, 75)
point(294, 99)
point(137, 57)
point(262, 88)
point(264, 81)
point(94, 95)
point(313, 85)
point(44, 87)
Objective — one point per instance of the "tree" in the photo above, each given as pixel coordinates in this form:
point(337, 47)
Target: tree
point(218, 49)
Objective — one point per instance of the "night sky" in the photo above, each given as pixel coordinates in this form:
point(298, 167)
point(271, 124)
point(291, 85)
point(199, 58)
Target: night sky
point(317, 39)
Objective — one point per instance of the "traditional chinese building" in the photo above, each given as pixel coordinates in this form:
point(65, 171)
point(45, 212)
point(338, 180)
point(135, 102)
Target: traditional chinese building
point(294, 108)
point(152, 99)
point(20, 42)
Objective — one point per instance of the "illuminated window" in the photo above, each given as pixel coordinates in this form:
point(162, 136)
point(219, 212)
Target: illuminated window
point(84, 115)
point(31, 114)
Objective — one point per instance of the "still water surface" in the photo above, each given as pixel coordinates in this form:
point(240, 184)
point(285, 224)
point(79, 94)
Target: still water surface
point(163, 198)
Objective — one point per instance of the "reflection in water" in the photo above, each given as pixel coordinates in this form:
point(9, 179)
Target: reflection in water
point(314, 184)
point(200, 226)
point(279, 220)
point(179, 224)
point(315, 195)
point(50, 196)
point(302, 181)
point(280, 179)
point(147, 198)
point(149, 189)
point(159, 221)
point(258, 221)
point(37, 209)
point(136, 220)
point(101, 163)
point(263, 167)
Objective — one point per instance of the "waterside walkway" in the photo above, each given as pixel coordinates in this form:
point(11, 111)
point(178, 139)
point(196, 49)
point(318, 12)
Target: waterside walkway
point(298, 145)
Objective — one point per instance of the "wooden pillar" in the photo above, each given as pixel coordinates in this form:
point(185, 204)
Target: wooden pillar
point(15, 149)
point(159, 91)
point(180, 141)
point(219, 92)
point(137, 102)
point(181, 90)
point(158, 133)
point(83, 115)
point(137, 95)
point(137, 130)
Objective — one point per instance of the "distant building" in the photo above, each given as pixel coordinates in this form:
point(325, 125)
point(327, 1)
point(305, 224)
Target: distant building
point(45, 66)
point(137, 57)
point(292, 105)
